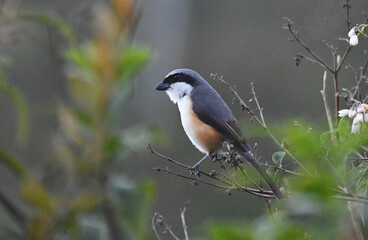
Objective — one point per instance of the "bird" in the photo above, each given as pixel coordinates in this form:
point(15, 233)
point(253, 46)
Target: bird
point(207, 120)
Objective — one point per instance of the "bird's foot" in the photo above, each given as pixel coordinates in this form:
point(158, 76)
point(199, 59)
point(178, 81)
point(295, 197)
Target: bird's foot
point(195, 170)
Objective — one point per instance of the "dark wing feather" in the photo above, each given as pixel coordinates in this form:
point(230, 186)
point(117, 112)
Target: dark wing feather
point(212, 110)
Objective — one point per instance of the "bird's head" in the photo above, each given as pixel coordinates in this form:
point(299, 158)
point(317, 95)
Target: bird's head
point(179, 83)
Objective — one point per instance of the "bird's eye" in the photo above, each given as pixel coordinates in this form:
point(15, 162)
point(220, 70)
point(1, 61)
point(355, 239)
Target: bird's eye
point(176, 77)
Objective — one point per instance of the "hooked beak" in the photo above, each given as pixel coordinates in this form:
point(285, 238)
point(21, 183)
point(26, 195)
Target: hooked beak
point(162, 86)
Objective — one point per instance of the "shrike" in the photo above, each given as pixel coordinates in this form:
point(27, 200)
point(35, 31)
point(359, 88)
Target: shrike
point(207, 120)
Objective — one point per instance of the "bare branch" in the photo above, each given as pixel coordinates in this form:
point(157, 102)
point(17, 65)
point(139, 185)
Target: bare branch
point(284, 170)
point(168, 171)
point(244, 106)
point(256, 192)
point(185, 228)
point(154, 223)
point(293, 32)
point(231, 185)
point(324, 97)
point(158, 219)
point(361, 77)
point(347, 6)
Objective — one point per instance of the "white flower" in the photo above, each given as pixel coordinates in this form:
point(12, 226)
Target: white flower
point(354, 40)
point(353, 37)
point(359, 113)
point(355, 128)
point(360, 108)
point(344, 113)
point(353, 32)
point(359, 117)
point(352, 112)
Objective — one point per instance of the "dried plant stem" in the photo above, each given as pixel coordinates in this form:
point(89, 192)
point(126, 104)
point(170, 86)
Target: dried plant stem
point(324, 97)
point(292, 31)
point(241, 168)
point(347, 6)
point(165, 170)
point(268, 204)
point(336, 69)
point(230, 184)
point(153, 221)
point(158, 219)
point(339, 66)
point(261, 121)
point(337, 101)
point(284, 170)
point(361, 77)
point(185, 228)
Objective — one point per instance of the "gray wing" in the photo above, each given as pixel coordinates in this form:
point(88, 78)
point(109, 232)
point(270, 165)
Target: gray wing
point(212, 110)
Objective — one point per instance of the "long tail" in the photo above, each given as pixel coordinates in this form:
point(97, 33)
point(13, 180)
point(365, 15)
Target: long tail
point(255, 164)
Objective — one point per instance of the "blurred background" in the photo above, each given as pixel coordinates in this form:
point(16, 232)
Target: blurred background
point(241, 40)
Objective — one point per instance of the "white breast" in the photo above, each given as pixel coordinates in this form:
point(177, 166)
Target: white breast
point(186, 114)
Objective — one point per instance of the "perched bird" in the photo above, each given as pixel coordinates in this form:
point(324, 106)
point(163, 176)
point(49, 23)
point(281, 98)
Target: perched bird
point(207, 120)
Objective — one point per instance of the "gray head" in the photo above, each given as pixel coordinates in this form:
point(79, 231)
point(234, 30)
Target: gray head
point(180, 83)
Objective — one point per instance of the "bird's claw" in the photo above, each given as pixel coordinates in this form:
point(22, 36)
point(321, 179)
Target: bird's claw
point(195, 170)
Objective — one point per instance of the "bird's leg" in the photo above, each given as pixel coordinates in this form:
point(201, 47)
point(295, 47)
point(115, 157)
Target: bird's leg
point(195, 169)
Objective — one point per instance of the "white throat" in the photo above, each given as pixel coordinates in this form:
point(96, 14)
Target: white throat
point(178, 90)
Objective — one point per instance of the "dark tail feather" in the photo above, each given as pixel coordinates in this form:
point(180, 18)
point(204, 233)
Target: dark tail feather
point(255, 164)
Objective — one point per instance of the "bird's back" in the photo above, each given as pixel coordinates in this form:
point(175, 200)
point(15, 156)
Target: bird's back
point(212, 110)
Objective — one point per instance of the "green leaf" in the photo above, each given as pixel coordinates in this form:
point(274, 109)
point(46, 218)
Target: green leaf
point(112, 146)
point(60, 25)
point(131, 60)
point(13, 164)
point(324, 136)
point(37, 195)
point(277, 158)
point(343, 127)
point(221, 231)
point(316, 185)
point(306, 143)
point(149, 190)
point(80, 58)
point(84, 202)
point(21, 108)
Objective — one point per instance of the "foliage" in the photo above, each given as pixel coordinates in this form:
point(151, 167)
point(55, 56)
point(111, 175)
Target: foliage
point(88, 196)
point(323, 173)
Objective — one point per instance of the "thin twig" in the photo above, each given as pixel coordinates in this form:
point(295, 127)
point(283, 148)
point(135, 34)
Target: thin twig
point(244, 106)
point(165, 170)
point(158, 219)
point(337, 99)
point(154, 220)
point(351, 199)
point(343, 58)
point(361, 77)
point(347, 6)
point(241, 168)
point(268, 204)
point(166, 158)
point(257, 192)
point(284, 170)
point(258, 105)
point(292, 31)
point(185, 228)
